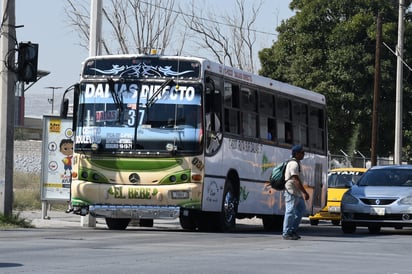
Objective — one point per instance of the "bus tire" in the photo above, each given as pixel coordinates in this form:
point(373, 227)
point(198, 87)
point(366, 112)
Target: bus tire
point(227, 217)
point(146, 222)
point(117, 224)
point(187, 221)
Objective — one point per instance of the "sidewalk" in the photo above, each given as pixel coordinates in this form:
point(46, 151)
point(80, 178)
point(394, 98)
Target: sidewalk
point(57, 219)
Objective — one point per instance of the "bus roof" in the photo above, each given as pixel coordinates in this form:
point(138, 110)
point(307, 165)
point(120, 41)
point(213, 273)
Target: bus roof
point(229, 72)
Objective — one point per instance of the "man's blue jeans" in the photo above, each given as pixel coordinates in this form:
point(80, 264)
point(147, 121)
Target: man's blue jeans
point(294, 209)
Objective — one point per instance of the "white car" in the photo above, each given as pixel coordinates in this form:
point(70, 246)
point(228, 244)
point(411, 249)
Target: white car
point(381, 198)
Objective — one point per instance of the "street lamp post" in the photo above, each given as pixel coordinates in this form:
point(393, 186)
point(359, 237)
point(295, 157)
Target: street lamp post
point(51, 100)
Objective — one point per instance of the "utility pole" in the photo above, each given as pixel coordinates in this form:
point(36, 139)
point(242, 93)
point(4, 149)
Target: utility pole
point(95, 28)
point(94, 50)
point(7, 85)
point(399, 86)
point(376, 88)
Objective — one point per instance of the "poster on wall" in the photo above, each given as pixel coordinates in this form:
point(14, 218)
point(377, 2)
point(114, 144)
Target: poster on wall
point(57, 153)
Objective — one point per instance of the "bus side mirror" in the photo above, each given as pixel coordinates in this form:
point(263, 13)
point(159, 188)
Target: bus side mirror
point(64, 108)
point(76, 96)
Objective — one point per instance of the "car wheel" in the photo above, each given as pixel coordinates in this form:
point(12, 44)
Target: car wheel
point(336, 222)
point(374, 229)
point(314, 222)
point(348, 228)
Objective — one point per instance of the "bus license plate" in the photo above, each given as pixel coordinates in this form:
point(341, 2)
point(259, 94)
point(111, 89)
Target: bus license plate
point(378, 211)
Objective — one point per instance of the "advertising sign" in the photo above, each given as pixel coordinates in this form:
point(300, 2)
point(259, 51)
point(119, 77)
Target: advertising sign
point(57, 153)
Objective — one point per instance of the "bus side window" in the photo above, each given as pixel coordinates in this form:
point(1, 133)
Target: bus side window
point(316, 128)
point(232, 111)
point(288, 133)
point(266, 131)
point(284, 122)
point(300, 123)
point(284, 130)
point(267, 121)
point(213, 115)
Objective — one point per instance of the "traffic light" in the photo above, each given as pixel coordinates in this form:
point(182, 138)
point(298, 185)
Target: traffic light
point(27, 62)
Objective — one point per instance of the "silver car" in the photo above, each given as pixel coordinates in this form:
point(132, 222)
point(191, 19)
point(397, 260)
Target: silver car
point(381, 198)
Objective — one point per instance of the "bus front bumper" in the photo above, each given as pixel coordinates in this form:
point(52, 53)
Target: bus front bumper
point(134, 211)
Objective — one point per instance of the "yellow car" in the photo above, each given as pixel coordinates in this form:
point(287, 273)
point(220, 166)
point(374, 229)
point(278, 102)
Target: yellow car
point(339, 181)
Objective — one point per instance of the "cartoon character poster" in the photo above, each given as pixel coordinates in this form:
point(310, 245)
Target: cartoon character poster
point(57, 157)
point(66, 149)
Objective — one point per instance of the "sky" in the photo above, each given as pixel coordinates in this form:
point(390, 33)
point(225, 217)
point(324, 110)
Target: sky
point(45, 23)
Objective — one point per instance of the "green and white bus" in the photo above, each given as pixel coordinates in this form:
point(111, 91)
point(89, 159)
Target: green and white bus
point(184, 137)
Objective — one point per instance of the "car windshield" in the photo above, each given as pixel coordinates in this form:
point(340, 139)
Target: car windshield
point(343, 179)
point(387, 177)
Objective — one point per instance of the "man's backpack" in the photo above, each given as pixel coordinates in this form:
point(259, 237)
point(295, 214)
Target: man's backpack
point(277, 178)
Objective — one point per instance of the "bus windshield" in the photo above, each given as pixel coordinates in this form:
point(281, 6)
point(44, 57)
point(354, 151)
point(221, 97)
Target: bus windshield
point(139, 117)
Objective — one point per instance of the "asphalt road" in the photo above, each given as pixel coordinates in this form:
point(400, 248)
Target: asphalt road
point(61, 245)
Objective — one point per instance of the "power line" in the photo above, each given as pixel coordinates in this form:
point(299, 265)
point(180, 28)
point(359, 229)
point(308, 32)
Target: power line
point(394, 53)
point(206, 19)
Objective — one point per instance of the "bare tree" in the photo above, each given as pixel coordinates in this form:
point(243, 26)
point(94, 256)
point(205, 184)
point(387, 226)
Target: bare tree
point(230, 38)
point(135, 25)
point(131, 26)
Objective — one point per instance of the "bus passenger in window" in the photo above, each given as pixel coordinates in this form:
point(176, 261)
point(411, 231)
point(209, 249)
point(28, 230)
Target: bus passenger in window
point(272, 135)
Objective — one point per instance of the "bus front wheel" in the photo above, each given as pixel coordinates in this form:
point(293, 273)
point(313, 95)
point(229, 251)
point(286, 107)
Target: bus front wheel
point(186, 220)
point(117, 224)
point(227, 217)
point(146, 222)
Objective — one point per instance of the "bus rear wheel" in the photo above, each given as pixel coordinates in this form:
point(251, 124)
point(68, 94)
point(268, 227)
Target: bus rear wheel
point(117, 224)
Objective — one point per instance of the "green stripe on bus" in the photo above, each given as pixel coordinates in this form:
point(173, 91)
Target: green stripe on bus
point(136, 164)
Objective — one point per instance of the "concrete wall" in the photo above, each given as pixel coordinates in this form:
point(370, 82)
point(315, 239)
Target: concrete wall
point(27, 156)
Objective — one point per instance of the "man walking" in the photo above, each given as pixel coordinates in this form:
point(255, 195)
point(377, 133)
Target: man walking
point(295, 195)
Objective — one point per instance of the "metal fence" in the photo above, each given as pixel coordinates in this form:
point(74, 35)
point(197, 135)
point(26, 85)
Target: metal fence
point(336, 161)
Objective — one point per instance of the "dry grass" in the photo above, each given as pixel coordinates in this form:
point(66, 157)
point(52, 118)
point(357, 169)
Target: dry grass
point(26, 191)
point(26, 196)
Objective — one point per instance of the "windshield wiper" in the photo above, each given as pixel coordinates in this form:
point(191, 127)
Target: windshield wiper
point(116, 99)
point(154, 98)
